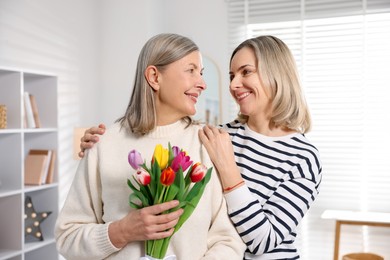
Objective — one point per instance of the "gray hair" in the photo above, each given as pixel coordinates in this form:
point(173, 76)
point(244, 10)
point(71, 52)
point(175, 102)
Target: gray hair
point(160, 51)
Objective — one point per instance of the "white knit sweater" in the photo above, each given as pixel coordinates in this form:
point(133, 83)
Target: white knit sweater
point(99, 195)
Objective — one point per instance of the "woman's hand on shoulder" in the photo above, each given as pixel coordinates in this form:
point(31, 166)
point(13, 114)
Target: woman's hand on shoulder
point(218, 145)
point(220, 149)
point(91, 137)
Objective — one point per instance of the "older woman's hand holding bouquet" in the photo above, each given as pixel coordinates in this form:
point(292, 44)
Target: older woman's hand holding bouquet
point(171, 176)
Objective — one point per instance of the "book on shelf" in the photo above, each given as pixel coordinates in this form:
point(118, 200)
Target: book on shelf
point(28, 111)
point(31, 111)
point(34, 168)
point(50, 173)
point(34, 108)
point(39, 167)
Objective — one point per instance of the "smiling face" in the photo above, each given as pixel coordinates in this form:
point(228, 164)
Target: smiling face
point(246, 86)
point(179, 87)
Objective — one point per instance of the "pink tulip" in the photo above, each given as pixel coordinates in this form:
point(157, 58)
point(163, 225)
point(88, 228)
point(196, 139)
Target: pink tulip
point(181, 160)
point(142, 176)
point(135, 159)
point(198, 172)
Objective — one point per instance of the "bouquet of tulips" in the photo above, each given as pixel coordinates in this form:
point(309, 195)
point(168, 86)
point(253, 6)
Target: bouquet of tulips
point(171, 176)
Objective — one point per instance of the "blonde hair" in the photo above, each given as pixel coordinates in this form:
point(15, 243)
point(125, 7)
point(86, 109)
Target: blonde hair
point(278, 72)
point(160, 51)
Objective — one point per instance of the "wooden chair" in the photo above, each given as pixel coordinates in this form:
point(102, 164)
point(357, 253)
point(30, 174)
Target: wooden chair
point(362, 256)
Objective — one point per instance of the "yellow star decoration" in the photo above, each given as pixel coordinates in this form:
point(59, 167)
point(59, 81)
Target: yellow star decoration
point(33, 220)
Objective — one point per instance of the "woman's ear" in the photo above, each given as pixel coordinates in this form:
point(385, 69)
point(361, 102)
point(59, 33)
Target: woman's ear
point(152, 76)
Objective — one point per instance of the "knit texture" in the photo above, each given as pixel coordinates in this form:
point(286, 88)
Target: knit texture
point(99, 195)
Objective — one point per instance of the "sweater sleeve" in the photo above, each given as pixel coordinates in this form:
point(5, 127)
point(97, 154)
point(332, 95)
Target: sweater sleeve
point(223, 241)
point(264, 227)
point(80, 231)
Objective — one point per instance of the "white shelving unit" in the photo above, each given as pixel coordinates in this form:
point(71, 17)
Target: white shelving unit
point(15, 142)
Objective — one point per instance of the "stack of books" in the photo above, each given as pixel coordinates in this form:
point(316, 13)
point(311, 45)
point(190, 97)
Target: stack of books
point(39, 167)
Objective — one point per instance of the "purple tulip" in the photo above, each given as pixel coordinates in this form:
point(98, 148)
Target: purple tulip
point(175, 150)
point(135, 159)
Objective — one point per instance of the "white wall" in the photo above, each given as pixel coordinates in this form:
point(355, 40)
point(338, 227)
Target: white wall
point(124, 28)
point(205, 22)
point(126, 25)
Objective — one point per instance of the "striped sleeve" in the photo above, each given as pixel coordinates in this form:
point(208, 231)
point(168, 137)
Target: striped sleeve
point(264, 227)
point(282, 179)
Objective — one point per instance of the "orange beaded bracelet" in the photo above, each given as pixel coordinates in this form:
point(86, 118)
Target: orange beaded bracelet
point(232, 187)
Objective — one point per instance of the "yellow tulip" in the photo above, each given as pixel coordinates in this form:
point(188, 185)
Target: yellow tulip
point(161, 155)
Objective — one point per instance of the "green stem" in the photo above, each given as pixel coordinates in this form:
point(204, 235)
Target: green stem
point(161, 195)
point(152, 249)
point(150, 197)
point(166, 192)
point(146, 246)
point(164, 247)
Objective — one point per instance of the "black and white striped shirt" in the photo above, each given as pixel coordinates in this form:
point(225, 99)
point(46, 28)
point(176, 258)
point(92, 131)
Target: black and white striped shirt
point(282, 176)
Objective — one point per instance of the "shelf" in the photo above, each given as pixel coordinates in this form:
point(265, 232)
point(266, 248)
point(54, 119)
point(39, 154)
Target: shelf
point(10, 131)
point(6, 192)
point(16, 142)
point(31, 188)
point(10, 254)
point(31, 246)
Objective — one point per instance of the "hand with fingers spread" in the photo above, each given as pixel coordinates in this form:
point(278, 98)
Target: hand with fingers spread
point(219, 147)
point(91, 137)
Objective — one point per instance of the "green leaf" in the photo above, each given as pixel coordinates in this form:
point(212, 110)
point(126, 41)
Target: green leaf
point(187, 178)
point(188, 209)
point(132, 198)
point(171, 193)
point(179, 182)
point(193, 198)
point(131, 185)
point(170, 154)
point(135, 206)
point(197, 189)
point(146, 192)
point(156, 172)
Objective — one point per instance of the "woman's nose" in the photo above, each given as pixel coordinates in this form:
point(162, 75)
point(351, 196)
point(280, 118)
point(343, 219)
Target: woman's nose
point(235, 83)
point(202, 84)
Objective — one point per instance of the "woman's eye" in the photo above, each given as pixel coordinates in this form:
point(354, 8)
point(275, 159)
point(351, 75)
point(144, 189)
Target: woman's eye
point(246, 72)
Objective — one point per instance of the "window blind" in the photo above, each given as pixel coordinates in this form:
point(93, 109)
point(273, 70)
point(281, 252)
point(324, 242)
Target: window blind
point(342, 53)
